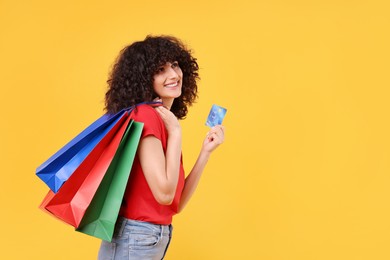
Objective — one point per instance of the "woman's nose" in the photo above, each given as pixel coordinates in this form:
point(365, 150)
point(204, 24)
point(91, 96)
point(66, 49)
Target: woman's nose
point(172, 73)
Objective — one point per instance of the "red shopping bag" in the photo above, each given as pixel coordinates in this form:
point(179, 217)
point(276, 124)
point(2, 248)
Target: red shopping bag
point(46, 200)
point(71, 201)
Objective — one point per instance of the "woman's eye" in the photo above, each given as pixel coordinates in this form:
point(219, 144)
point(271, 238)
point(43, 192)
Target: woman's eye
point(175, 64)
point(160, 69)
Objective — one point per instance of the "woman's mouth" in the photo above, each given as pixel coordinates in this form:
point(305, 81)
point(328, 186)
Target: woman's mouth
point(172, 85)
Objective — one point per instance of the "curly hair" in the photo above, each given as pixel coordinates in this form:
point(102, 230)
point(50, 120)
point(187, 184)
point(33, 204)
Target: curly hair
point(131, 79)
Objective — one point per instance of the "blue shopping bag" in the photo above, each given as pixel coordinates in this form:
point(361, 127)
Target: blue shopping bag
point(60, 166)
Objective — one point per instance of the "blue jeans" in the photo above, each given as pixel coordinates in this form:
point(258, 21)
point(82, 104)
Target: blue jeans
point(136, 240)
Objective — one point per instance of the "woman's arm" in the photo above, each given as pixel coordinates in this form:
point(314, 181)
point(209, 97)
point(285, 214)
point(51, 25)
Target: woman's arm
point(214, 138)
point(162, 171)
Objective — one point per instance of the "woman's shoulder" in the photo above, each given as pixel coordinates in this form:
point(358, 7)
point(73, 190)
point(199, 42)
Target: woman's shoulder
point(153, 124)
point(146, 112)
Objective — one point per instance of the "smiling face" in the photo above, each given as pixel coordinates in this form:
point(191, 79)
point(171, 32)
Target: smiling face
point(167, 82)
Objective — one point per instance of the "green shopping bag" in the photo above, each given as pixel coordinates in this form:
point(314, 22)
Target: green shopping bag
point(100, 218)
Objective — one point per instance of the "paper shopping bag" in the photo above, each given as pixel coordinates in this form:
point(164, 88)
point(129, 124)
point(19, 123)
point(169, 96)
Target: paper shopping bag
point(71, 201)
point(101, 215)
point(49, 196)
point(58, 168)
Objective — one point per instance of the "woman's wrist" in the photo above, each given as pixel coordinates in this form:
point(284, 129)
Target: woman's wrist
point(175, 132)
point(205, 153)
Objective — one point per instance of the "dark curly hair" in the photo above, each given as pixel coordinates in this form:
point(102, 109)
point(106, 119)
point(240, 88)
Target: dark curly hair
point(131, 79)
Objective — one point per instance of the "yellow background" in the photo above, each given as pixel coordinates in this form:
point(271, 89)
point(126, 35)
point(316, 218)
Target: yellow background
point(304, 171)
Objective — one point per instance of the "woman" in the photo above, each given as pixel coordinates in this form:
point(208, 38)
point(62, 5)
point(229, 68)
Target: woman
point(157, 69)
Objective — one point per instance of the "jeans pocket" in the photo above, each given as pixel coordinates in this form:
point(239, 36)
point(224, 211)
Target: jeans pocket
point(144, 240)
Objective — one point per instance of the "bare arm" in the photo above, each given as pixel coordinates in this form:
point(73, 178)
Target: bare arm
point(162, 171)
point(214, 138)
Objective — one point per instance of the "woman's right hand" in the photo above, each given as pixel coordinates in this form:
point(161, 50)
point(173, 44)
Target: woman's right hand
point(170, 120)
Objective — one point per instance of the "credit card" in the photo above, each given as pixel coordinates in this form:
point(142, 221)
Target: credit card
point(216, 116)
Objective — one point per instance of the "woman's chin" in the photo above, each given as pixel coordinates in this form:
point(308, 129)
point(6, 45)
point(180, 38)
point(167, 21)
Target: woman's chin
point(171, 95)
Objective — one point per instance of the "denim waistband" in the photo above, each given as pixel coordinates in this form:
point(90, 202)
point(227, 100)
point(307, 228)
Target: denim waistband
point(160, 229)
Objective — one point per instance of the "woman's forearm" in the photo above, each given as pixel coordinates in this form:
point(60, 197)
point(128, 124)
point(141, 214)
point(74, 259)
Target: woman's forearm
point(193, 178)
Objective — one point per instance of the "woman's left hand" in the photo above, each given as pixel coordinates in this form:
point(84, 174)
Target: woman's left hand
point(214, 138)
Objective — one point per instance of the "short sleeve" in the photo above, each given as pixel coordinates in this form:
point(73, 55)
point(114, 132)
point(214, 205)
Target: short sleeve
point(153, 124)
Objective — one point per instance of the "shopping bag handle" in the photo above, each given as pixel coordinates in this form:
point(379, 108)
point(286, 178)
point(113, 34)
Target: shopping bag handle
point(129, 110)
point(151, 103)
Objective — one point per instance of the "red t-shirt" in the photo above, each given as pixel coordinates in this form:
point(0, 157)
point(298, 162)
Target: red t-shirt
point(139, 202)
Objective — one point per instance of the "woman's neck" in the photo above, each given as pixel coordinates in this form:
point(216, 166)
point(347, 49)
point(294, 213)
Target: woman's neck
point(167, 102)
